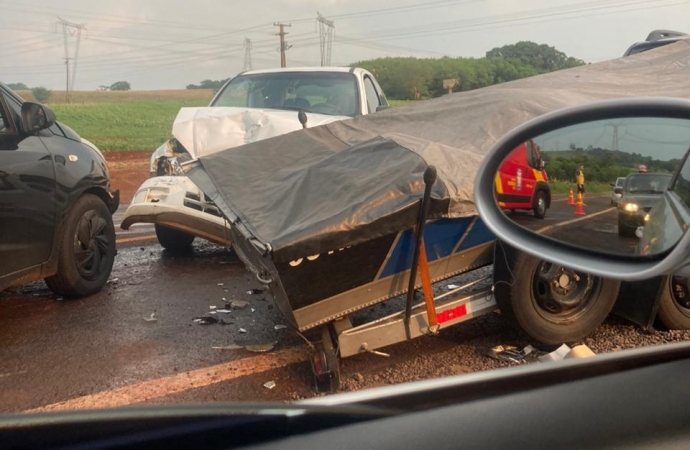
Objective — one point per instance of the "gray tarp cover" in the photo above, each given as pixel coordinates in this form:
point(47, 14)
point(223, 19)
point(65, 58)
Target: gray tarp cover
point(344, 183)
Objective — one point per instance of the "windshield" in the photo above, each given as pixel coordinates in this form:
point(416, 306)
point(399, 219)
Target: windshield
point(647, 184)
point(330, 93)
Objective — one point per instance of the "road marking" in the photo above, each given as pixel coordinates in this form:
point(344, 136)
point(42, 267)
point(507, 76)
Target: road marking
point(194, 379)
point(567, 195)
point(570, 222)
point(148, 237)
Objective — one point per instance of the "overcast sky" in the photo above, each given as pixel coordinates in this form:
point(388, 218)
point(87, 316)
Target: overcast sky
point(167, 44)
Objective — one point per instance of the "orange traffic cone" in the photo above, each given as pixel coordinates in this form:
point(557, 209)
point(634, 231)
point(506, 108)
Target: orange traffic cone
point(571, 198)
point(579, 210)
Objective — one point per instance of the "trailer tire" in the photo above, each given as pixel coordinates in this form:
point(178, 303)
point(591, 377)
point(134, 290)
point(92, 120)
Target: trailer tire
point(674, 304)
point(554, 313)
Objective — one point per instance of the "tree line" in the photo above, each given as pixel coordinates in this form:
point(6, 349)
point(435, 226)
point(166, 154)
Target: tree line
point(601, 165)
point(410, 78)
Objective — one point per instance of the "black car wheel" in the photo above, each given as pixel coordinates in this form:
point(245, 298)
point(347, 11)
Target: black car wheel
point(554, 304)
point(173, 240)
point(87, 249)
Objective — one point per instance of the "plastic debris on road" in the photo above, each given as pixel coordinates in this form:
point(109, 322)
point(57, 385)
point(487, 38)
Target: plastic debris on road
point(238, 304)
point(261, 348)
point(565, 352)
point(205, 320)
point(452, 286)
point(270, 385)
point(113, 281)
point(242, 330)
point(151, 318)
point(223, 310)
point(511, 354)
point(228, 347)
point(220, 284)
point(212, 307)
point(280, 327)
point(255, 291)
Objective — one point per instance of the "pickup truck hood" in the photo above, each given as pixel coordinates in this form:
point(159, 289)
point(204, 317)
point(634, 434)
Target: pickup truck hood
point(642, 200)
point(203, 131)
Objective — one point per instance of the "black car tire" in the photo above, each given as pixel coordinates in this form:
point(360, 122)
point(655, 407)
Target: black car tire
point(539, 206)
point(86, 249)
point(672, 314)
point(520, 305)
point(173, 240)
point(625, 231)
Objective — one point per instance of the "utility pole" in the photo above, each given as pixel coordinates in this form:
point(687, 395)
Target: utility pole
point(70, 29)
point(247, 54)
point(283, 45)
point(326, 36)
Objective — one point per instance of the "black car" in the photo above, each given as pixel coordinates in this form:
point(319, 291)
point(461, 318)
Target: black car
point(641, 191)
point(56, 204)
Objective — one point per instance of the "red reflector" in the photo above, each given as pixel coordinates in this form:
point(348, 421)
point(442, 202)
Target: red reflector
point(452, 313)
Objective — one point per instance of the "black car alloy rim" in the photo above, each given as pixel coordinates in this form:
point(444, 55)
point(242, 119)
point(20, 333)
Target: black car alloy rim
point(561, 295)
point(91, 244)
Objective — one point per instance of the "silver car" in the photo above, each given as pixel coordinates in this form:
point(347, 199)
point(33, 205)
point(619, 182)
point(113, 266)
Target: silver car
point(616, 190)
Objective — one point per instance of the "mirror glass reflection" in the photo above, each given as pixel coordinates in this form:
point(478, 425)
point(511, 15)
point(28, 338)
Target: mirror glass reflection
point(617, 186)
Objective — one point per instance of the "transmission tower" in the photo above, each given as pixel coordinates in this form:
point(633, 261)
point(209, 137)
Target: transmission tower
point(247, 54)
point(614, 143)
point(71, 29)
point(326, 36)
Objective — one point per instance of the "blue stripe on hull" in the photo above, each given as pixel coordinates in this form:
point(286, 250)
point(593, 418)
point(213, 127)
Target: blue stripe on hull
point(440, 238)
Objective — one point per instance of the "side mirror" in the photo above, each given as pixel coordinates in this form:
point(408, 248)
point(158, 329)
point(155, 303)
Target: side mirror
point(618, 190)
point(36, 117)
point(592, 235)
point(383, 108)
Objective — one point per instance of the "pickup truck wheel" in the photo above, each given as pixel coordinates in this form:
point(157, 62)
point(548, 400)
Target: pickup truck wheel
point(87, 249)
point(173, 240)
point(554, 304)
point(674, 303)
point(540, 205)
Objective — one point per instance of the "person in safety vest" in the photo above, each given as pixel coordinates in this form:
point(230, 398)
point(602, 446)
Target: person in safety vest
point(580, 181)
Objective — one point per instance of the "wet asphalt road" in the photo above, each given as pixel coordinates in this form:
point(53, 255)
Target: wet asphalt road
point(101, 352)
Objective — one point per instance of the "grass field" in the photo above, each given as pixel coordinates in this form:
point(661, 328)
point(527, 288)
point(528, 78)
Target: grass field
point(132, 120)
point(563, 187)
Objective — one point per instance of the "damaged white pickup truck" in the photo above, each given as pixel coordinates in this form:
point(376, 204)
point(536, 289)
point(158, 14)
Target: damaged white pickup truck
point(253, 106)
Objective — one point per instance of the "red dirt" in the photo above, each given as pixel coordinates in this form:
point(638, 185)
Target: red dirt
point(128, 169)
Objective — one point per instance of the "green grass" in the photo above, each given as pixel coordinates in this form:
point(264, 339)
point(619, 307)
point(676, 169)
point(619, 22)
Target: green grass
point(563, 187)
point(134, 120)
point(401, 102)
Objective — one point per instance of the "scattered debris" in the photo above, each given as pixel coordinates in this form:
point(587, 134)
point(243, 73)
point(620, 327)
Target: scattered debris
point(205, 320)
point(261, 348)
point(270, 385)
point(238, 304)
point(134, 283)
point(151, 318)
point(242, 330)
point(280, 327)
point(358, 377)
point(255, 291)
point(565, 352)
point(228, 347)
point(212, 312)
point(60, 298)
point(220, 284)
point(510, 353)
point(113, 281)
point(223, 310)
point(212, 307)
point(452, 286)
point(253, 310)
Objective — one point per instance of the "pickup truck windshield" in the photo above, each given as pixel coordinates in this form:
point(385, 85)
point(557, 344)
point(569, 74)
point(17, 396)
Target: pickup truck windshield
point(331, 93)
point(652, 184)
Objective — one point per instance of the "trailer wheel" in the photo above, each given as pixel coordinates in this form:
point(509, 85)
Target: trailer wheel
point(325, 364)
point(554, 304)
point(674, 303)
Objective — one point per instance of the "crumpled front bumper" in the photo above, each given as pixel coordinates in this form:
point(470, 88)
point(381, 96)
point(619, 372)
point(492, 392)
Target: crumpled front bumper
point(177, 203)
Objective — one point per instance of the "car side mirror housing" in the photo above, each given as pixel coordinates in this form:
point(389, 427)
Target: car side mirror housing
point(641, 238)
point(36, 117)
